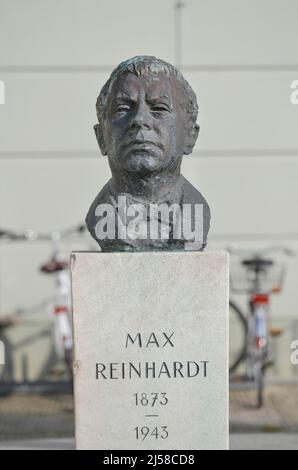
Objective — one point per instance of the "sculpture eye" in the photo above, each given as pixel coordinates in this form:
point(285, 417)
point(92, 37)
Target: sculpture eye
point(123, 108)
point(159, 108)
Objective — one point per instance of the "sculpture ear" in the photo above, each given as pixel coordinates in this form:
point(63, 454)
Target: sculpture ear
point(100, 138)
point(191, 138)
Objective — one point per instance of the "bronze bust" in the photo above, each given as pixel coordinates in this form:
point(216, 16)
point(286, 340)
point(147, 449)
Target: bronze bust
point(147, 116)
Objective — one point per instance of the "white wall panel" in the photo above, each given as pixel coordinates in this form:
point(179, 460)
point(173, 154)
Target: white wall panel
point(240, 32)
point(83, 32)
point(96, 32)
point(238, 111)
point(248, 195)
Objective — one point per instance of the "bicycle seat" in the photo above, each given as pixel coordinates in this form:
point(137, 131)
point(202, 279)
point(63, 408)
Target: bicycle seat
point(7, 321)
point(53, 266)
point(257, 263)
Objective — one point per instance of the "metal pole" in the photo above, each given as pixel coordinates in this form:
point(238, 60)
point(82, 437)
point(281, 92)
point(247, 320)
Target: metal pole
point(178, 33)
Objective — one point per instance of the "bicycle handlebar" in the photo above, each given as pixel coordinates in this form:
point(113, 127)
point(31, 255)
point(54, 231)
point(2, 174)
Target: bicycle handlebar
point(29, 235)
point(258, 253)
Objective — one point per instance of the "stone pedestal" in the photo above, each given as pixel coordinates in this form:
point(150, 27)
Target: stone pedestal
point(151, 350)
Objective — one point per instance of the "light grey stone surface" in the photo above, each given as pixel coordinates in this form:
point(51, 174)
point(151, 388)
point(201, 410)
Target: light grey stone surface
point(180, 295)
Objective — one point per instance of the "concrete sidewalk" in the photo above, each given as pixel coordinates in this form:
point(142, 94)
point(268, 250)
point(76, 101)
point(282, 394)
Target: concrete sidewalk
point(279, 413)
point(47, 421)
point(262, 441)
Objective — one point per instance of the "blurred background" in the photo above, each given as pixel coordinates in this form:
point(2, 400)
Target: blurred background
point(240, 57)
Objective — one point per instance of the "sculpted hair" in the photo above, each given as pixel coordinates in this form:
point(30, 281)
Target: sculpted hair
point(142, 65)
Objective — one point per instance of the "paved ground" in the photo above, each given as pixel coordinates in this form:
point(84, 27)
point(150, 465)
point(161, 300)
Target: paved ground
point(261, 441)
point(279, 413)
point(46, 421)
point(39, 444)
point(37, 416)
point(264, 441)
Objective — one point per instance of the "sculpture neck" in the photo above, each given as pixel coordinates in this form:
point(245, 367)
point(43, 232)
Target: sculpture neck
point(161, 187)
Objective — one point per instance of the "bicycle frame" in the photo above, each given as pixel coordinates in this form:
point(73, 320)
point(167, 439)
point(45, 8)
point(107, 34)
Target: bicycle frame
point(257, 350)
point(58, 267)
point(258, 333)
point(62, 312)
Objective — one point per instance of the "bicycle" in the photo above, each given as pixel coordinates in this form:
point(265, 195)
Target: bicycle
point(59, 303)
point(259, 277)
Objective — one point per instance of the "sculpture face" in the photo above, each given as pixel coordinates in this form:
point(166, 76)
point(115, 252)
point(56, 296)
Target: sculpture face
point(144, 128)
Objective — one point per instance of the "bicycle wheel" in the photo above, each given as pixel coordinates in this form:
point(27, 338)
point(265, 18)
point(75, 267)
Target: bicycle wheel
point(238, 336)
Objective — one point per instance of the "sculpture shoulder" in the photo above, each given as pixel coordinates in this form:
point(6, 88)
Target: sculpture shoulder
point(103, 197)
point(192, 196)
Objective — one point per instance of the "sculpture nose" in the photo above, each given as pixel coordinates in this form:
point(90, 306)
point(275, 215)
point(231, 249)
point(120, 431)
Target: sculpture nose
point(141, 119)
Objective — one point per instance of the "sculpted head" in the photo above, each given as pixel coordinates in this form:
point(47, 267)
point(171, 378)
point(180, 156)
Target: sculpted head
point(147, 116)
point(147, 120)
